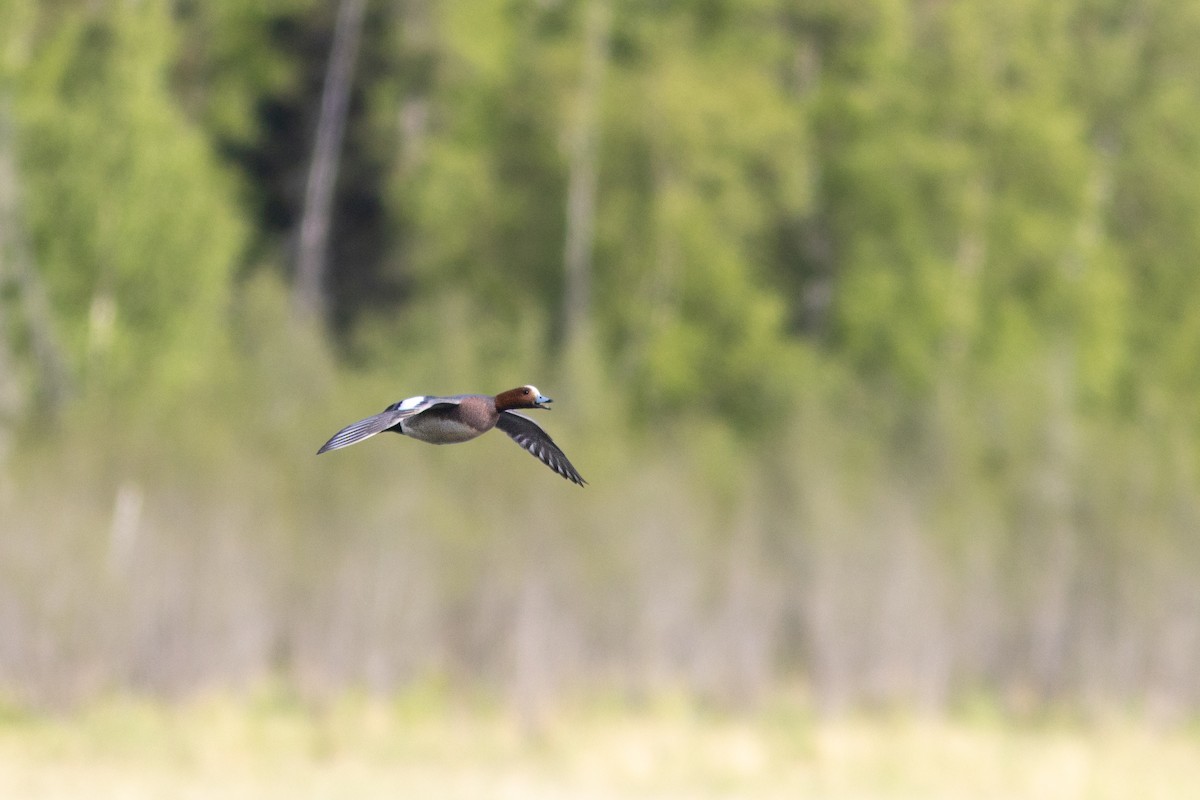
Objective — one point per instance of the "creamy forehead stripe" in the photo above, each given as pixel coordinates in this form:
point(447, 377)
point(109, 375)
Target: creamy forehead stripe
point(534, 389)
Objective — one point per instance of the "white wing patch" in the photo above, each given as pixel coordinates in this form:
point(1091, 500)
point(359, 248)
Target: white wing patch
point(410, 403)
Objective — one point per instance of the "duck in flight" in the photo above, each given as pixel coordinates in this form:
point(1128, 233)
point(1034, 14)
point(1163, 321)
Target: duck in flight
point(460, 418)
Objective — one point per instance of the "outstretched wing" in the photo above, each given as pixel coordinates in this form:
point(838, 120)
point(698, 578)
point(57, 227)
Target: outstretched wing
point(364, 429)
point(530, 435)
point(384, 420)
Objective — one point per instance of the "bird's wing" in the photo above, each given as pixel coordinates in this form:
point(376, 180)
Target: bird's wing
point(384, 420)
point(530, 435)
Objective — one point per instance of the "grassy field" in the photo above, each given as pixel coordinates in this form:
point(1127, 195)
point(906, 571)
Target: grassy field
point(422, 748)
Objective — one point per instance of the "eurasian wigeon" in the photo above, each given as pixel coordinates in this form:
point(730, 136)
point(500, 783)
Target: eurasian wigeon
point(449, 420)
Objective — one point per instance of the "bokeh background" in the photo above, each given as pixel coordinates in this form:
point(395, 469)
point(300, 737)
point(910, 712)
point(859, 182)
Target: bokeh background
point(874, 327)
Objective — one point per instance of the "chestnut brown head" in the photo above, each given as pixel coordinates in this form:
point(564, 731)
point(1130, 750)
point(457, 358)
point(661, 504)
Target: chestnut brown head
point(522, 397)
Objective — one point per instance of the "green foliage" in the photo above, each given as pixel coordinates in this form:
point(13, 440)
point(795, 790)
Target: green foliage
point(228, 59)
point(774, 171)
point(131, 217)
point(889, 294)
point(486, 201)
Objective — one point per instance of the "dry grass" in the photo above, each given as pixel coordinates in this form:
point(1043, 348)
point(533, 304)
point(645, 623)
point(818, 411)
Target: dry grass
point(428, 746)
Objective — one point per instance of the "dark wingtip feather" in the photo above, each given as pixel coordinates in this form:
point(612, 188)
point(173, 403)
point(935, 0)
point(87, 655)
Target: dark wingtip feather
point(534, 440)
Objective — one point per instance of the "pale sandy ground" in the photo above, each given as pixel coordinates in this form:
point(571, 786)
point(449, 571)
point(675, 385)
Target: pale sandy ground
point(363, 749)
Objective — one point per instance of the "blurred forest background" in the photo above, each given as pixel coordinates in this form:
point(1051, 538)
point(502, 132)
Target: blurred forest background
point(874, 327)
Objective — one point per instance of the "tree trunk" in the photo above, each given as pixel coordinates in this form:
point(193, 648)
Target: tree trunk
point(309, 297)
point(583, 168)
